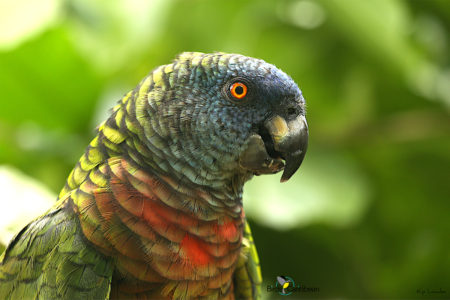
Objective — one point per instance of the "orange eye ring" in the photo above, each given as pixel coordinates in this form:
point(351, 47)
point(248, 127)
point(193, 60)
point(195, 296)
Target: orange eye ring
point(238, 90)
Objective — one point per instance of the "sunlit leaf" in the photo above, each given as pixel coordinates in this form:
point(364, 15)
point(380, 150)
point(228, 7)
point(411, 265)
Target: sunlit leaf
point(328, 189)
point(22, 199)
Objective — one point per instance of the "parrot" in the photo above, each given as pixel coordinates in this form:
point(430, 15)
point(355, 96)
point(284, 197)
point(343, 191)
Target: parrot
point(153, 209)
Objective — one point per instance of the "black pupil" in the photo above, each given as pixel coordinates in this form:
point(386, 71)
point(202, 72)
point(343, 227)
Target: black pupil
point(239, 90)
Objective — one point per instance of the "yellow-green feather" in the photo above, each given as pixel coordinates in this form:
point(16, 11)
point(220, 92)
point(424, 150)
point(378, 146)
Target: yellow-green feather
point(247, 277)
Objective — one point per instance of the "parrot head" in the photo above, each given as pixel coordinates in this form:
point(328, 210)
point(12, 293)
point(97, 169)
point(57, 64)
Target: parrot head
point(231, 115)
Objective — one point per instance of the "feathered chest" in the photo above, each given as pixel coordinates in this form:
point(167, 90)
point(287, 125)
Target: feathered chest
point(165, 239)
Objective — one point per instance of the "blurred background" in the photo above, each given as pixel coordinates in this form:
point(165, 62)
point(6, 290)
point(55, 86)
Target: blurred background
point(368, 213)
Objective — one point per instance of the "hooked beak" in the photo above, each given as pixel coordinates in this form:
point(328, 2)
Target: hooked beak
point(290, 141)
point(277, 140)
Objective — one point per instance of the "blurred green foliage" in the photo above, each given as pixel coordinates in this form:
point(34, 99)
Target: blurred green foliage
point(367, 216)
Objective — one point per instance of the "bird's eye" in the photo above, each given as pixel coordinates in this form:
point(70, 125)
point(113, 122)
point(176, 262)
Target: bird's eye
point(238, 90)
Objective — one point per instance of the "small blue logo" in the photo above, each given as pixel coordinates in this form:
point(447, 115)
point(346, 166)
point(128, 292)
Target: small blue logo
point(285, 285)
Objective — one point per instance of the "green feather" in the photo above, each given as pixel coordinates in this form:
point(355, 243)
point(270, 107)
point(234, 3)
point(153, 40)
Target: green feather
point(50, 259)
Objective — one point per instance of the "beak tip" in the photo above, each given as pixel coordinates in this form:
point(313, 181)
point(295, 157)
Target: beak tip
point(283, 179)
